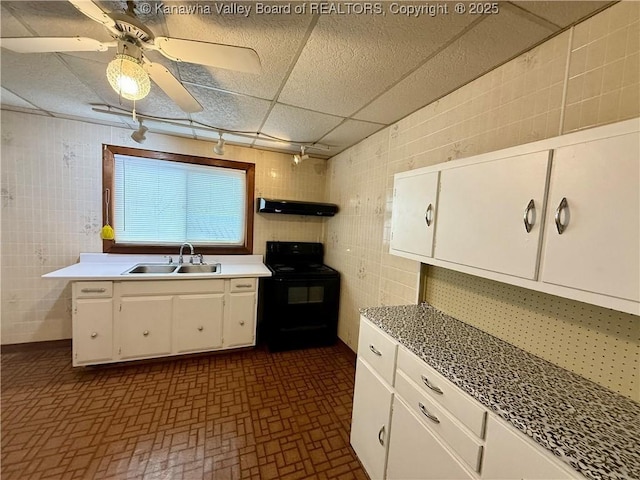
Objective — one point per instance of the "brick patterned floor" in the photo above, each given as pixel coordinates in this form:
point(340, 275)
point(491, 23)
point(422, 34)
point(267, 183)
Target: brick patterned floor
point(239, 415)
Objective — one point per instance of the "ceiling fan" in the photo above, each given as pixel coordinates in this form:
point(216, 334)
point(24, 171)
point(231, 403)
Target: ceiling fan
point(129, 72)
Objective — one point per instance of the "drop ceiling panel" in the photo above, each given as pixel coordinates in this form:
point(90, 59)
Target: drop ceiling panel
point(350, 59)
point(9, 99)
point(44, 81)
point(298, 125)
point(348, 133)
point(52, 19)
point(490, 43)
point(562, 13)
point(229, 112)
point(275, 38)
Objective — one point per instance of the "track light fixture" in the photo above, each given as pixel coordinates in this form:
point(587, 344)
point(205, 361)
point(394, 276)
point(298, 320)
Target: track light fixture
point(297, 159)
point(138, 135)
point(219, 148)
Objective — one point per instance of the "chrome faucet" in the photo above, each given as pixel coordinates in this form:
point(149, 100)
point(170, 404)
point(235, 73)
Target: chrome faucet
point(180, 259)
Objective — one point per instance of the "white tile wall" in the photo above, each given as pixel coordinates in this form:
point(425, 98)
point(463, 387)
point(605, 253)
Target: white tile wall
point(51, 181)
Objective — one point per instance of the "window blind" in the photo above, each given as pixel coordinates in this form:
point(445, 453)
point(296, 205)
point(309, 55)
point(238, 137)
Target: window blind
point(164, 202)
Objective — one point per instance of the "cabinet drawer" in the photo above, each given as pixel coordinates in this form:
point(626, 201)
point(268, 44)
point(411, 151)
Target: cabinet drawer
point(243, 285)
point(434, 417)
point(93, 289)
point(171, 287)
point(459, 404)
point(378, 349)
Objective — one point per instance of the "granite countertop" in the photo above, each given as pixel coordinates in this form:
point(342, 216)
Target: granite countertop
point(103, 266)
point(594, 430)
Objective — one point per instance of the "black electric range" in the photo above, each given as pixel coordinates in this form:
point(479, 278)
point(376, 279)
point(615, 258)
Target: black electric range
point(300, 302)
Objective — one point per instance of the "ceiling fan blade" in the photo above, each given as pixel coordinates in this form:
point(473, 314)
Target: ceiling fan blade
point(218, 55)
point(54, 44)
point(94, 12)
point(172, 87)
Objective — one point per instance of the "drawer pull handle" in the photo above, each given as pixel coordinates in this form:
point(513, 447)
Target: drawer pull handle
point(145, 333)
point(94, 335)
point(200, 328)
point(426, 413)
point(426, 381)
point(375, 350)
point(93, 290)
point(244, 285)
point(381, 436)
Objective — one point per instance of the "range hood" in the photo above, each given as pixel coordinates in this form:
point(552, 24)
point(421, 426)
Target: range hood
point(292, 207)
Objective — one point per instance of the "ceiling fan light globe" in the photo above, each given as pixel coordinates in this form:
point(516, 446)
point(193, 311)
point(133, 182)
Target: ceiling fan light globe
point(127, 77)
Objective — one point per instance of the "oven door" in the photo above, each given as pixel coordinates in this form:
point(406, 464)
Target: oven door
point(301, 312)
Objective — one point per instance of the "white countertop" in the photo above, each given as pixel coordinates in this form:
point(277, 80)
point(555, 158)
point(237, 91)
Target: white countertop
point(106, 266)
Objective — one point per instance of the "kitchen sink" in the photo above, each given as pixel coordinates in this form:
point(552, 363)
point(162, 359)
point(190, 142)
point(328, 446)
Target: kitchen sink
point(151, 268)
point(215, 268)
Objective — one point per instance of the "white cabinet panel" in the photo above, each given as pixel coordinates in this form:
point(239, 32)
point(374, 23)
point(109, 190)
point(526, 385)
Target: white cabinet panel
point(92, 330)
point(370, 421)
point(509, 455)
point(197, 322)
point(240, 327)
point(414, 211)
point(416, 454)
point(599, 250)
point(144, 326)
point(481, 211)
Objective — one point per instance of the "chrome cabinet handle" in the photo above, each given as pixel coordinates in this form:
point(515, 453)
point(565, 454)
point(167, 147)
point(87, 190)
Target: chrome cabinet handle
point(375, 350)
point(426, 413)
point(200, 328)
point(531, 207)
point(145, 333)
point(559, 225)
point(381, 436)
point(428, 215)
point(426, 381)
point(94, 335)
point(93, 290)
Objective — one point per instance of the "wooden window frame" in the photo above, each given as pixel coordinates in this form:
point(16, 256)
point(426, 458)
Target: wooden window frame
point(108, 160)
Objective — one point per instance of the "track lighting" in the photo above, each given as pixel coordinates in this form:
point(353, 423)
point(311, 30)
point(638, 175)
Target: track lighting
point(138, 135)
point(297, 159)
point(219, 148)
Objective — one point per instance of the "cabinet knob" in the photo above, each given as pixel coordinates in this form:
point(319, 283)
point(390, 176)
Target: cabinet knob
point(200, 328)
point(94, 335)
point(241, 322)
point(145, 333)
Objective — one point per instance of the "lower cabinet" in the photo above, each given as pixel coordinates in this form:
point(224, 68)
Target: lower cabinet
point(144, 327)
point(198, 322)
point(129, 320)
point(371, 420)
point(416, 454)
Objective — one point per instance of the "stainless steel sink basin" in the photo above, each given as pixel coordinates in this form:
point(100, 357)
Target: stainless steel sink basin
point(151, 268)
point(215, 268)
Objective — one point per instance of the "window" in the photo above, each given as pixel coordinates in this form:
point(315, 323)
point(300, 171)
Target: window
point(160, 200)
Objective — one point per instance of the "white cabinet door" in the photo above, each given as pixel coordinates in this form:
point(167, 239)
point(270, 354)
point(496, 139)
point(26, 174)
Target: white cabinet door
point(92, 330)
point(414, 211)
point(370, 420)
point(598, 251)
point(481, 211)
point(144, 326)
point(240, 325)
point(509, 455)
point(416, 454)
point(197, 322)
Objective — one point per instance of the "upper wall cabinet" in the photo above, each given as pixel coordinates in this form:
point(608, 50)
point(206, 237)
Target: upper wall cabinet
point(593, 221)
point(560, 216)
point(489, 214)
point(414, 208)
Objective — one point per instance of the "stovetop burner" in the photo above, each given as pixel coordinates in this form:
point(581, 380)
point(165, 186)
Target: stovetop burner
point(297, 259)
